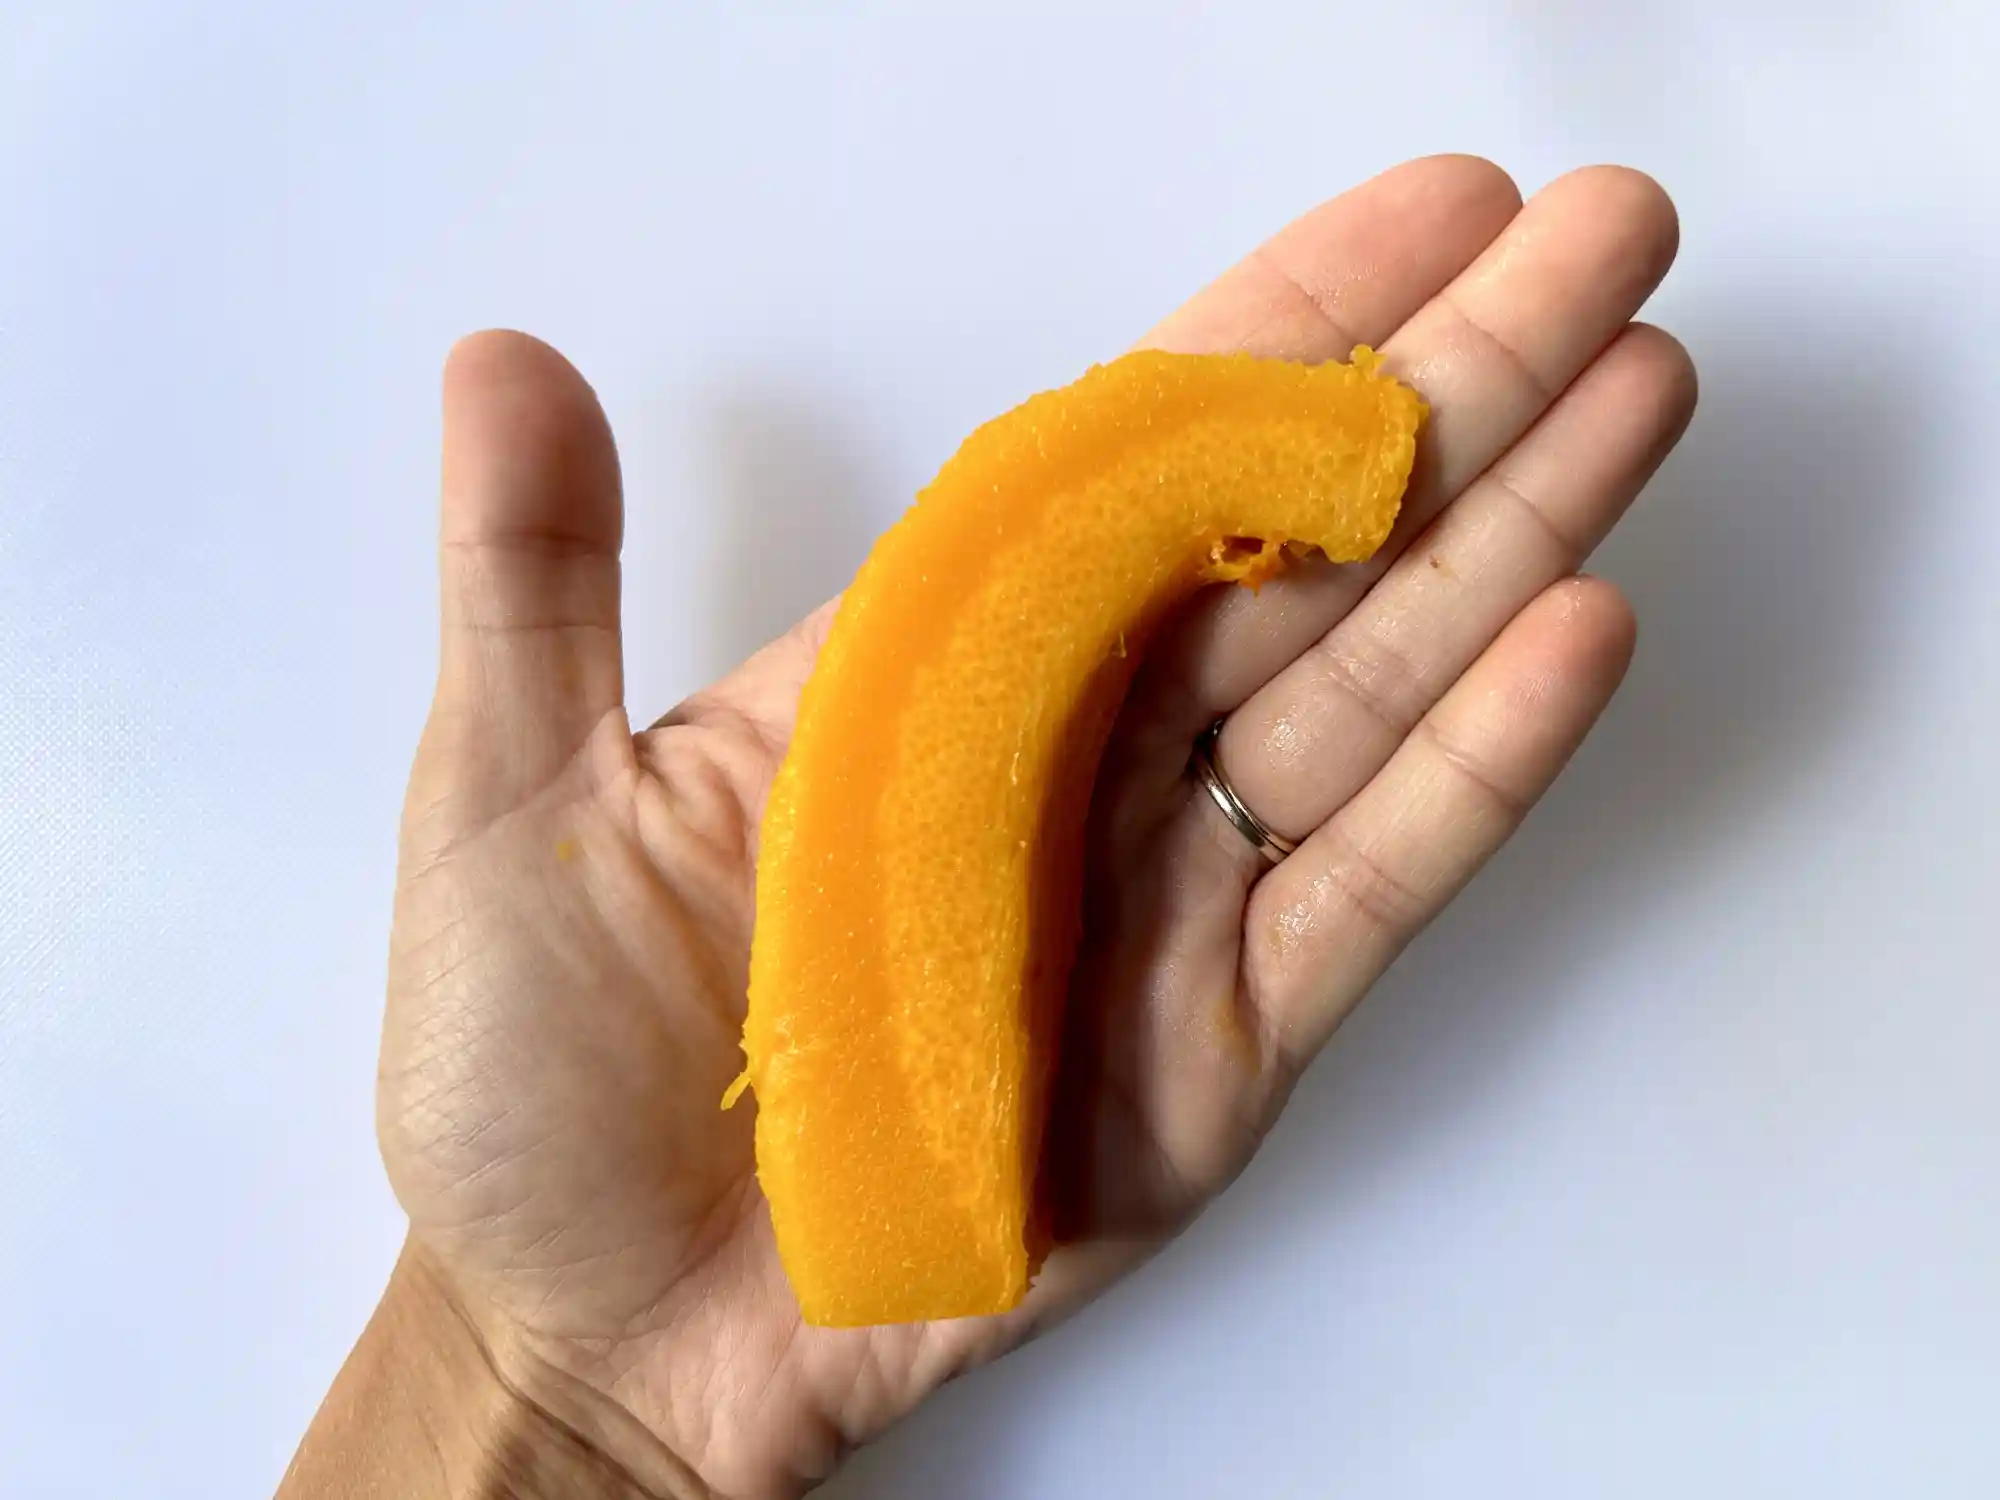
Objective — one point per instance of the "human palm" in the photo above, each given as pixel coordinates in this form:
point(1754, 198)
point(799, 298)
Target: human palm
point(575, 902)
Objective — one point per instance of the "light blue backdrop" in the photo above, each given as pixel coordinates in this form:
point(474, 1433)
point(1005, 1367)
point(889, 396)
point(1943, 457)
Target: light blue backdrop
point(1668, 1165)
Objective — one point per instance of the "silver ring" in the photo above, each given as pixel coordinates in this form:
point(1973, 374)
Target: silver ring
point(1273, 846)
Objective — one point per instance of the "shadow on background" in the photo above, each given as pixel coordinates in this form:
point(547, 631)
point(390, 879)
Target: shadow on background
point(1758, 562)
point(799, 508)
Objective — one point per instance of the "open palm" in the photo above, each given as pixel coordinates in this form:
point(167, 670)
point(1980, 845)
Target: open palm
point(575, 902)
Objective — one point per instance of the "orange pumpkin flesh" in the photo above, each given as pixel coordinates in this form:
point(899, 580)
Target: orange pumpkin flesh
point(917, 882)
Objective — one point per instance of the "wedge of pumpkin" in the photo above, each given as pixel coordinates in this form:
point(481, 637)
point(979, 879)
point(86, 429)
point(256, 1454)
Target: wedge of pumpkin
point(918, 877)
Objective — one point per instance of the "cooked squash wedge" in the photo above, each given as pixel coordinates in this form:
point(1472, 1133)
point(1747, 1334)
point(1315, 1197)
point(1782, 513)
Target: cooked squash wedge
point(918, 876)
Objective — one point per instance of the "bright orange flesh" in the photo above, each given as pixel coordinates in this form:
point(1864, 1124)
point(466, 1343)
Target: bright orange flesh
point(917, 884)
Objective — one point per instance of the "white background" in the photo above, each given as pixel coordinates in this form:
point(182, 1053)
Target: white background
point(1668, 1165)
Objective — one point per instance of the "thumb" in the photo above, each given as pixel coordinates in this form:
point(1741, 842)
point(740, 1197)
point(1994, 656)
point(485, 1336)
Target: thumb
point(529, 529)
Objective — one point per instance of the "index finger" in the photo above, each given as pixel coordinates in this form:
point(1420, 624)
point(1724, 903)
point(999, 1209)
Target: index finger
point(1353, 270)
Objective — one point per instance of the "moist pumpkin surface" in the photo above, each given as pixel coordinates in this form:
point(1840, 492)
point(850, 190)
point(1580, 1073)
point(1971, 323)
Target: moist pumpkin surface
point(920, 860)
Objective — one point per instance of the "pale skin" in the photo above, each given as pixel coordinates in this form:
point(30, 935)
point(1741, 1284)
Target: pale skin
point(589, 1303)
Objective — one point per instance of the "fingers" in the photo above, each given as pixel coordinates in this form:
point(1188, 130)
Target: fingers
point(1499, 344)
point(1311, 737)
point(1490, 351)
point(1354, 270)
point(1351, 271)
point(1324, 924)
point(529, 532)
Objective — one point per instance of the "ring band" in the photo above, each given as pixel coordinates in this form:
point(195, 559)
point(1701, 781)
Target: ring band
point(1273, 846)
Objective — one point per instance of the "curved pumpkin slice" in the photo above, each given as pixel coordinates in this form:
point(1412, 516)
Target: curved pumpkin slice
point(918, 879)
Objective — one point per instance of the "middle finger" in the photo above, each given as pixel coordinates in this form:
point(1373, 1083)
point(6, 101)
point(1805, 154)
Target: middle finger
point(1311, 737)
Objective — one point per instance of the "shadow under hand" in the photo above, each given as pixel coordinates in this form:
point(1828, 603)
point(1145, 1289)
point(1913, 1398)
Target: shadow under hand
point(1758, 566)
point(1759, 563)
point(793, 493)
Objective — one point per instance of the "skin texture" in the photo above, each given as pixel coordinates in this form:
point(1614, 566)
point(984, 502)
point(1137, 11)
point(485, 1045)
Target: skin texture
point(572, 923)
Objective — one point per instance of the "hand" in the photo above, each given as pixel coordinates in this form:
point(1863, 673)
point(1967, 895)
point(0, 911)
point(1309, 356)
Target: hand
point(574, 909)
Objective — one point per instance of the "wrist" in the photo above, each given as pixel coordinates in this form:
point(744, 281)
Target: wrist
point(431, 1406)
